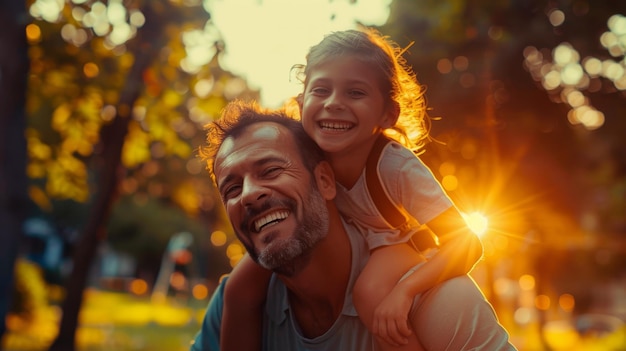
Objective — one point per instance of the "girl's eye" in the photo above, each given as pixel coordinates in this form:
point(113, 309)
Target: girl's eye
point(319, 91)
point(356, 93)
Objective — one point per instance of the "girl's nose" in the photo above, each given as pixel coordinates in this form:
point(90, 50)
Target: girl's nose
point(334, 103)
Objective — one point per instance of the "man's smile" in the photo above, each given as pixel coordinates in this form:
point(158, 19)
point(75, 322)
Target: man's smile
point(270, 219)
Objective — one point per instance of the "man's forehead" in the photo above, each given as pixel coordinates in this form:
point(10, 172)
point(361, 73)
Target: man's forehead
point(255, 133)
point(265, 131)
point(267, 136)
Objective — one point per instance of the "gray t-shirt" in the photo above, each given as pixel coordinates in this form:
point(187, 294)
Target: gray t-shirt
point(281, 331)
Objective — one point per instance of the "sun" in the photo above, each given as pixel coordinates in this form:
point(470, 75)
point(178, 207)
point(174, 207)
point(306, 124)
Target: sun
point(477, 222)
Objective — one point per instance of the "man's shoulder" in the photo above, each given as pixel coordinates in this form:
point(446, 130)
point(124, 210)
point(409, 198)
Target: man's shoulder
point(276, 303)
point(357, 241)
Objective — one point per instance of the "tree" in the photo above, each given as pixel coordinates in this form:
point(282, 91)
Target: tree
point(143, 48)
point(117, 109)
point(13, 182)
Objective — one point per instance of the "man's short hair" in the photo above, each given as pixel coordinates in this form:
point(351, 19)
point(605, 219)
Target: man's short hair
point(238, 115)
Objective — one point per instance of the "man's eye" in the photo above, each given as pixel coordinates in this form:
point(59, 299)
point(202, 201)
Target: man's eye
point(272, 171)
point(231, 191)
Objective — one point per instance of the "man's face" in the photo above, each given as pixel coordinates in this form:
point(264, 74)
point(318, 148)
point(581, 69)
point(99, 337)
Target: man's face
point(270, 197)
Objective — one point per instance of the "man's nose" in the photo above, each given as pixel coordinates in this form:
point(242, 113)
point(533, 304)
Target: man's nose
point(252, 192)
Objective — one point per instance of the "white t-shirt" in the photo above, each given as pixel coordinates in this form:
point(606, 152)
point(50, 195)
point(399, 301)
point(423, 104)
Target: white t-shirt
point(408, 181)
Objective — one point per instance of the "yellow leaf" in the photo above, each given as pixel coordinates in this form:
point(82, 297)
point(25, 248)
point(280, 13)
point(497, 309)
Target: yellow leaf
point(181, 149)
point(136, 146)
point(172, 99)
point(60, 117)
point(35, 170)
point(39, 197)
point(37, 149)
point(187, 197)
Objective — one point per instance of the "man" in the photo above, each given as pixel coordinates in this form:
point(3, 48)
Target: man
point(264, 162)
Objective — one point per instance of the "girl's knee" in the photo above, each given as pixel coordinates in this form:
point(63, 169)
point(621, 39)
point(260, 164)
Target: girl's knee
point(457, 301)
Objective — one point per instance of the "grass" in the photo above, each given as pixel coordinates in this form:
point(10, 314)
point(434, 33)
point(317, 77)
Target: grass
point(113, 321)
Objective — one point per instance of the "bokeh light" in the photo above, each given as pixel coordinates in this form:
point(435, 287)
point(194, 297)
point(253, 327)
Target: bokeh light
point(33, 33)
point(200, 291)
point(527, 282)
point(542, 302)
point(565, 73)
point(138, 287)
point(218, 238)
point(111, 20)
point(556, 17)
point(567, 302)
point(234, 252)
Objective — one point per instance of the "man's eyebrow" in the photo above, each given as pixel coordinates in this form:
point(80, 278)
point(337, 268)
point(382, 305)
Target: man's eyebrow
point(269, 159)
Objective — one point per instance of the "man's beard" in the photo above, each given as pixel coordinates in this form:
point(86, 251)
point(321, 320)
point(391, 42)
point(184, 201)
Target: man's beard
point(286, 255)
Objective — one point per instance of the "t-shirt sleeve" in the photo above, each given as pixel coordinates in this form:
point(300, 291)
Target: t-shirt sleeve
point(208, 338)
point(417, 189)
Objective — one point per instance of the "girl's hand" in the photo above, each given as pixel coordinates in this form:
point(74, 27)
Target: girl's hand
point(391, 317)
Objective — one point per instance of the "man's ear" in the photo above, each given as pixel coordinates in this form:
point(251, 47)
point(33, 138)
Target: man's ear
point(325, 180)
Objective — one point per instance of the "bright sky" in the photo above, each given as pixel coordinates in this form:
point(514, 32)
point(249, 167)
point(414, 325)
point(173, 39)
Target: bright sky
point(265, 38)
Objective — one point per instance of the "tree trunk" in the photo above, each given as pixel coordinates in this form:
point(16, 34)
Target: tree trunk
point(108, 171)
point(13, 184)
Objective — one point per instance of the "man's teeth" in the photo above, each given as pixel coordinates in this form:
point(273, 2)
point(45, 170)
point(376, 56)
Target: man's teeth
point(336, 125)
point(274, 216)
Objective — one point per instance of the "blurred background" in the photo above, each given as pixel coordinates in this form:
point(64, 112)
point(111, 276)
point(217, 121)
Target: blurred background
point(112, 236)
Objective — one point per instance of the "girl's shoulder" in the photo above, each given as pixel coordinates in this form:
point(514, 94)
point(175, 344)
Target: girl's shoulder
point(399, 166)
point(395, 156)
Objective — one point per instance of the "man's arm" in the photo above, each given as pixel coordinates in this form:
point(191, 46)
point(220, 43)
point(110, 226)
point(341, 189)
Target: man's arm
point(208, 338)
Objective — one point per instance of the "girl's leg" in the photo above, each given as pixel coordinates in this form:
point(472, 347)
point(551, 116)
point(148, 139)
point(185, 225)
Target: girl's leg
point(455, 315)
point(244, 298)
point(382, 272)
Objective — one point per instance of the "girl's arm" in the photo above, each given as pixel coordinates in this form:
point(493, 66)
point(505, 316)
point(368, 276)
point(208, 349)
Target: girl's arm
point(459, 251)
point(244, 300)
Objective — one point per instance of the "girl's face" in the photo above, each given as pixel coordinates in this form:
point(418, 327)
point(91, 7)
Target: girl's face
point(343, 108)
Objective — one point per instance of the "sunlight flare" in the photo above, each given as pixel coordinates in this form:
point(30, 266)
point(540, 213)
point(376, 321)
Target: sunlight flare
point(477, 222)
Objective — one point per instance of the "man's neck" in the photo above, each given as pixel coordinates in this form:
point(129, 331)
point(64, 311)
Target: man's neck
point(317, 293)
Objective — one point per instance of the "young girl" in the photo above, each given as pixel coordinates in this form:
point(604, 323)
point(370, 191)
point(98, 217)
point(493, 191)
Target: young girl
point(357, 88)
